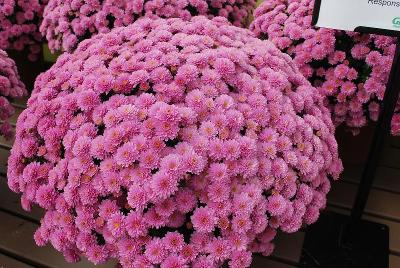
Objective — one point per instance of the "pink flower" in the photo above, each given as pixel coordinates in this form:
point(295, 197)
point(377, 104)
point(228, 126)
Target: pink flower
point(219, 249)
point(231, 149)
point(45, 196)
point(208, 129)
point(135, 225)
point(203, 262)
point(173, 261)
point(218, 172)
point(166, 207)
point(193, 162)
point(203, 220)
point(188, 252)
point(172, 164)
point(88, 100)
point(164, 185)
point(137, 196)
point(396, 125)
point(155, 251)
point(107, 208)
point(82, 146)
point(154, 220)
point(240, 259)
point(241, 223)
point(216, 148)
point(149, 159)
point(126, 155)
point(238, 241)
point(128, 248)
point(242, 203)
point(218, 192)
point(276, 205)
point(116, 225)
point(224, 66)
point(97, 254)
point(185, 200)
point(111, 181)
point(173, 241)
point(186, 73)
point(85, 222)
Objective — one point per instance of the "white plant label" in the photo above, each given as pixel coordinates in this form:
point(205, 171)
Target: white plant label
point(350, 14)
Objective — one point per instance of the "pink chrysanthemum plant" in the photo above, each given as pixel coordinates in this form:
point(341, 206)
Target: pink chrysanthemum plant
point(11, 87)
point(19, 26)
point(68, 22)
point(350, 69)
point(173, 143)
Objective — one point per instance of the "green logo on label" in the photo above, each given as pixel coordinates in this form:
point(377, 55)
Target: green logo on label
point(396, 22)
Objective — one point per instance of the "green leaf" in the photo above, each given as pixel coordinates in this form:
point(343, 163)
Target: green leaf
point(48, 56)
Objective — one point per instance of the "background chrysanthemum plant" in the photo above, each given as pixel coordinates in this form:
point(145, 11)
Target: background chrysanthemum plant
point(19, 26)
point(173, 143)
point(350, 69)
point(10, 87)
point(66, 22)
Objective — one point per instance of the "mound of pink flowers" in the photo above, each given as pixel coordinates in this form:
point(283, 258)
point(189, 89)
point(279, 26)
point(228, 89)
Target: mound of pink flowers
point(173, 143)
point(66, 23)
point(350, 69)
point(19, 25)
point(10, 87)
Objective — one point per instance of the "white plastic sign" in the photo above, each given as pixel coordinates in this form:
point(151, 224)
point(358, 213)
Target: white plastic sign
point(351, 15)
